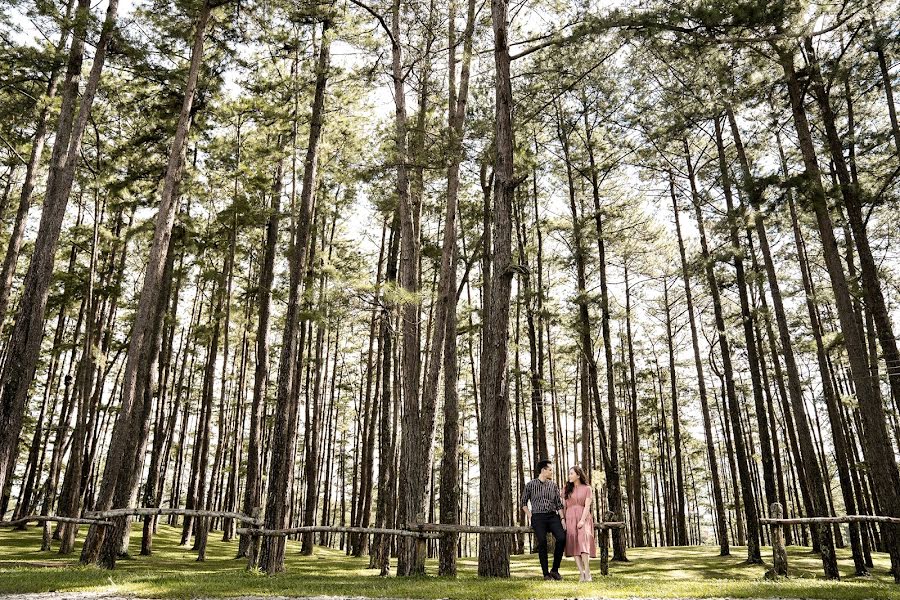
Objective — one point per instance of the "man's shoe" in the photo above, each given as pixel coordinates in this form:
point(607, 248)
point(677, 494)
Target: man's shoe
point(555, 575)
point(547, 577)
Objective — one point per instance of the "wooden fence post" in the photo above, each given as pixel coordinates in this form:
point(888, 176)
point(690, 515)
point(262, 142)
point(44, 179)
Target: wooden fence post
point(604, 543)
point(779, 552)
point(253, 546)
point(45, 536)
point(201, 534)
point(421, 545)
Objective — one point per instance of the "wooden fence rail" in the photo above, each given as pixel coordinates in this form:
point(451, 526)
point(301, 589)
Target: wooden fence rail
point(52, 518)
point(255, 530)
point(336, 529)
point(839, 519)
point(777, 523)
point(187, 512)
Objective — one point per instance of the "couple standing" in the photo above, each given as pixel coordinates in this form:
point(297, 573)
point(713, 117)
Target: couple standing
point(567, 516)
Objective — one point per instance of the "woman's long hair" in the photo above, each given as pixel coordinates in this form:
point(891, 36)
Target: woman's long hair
point(570, 486)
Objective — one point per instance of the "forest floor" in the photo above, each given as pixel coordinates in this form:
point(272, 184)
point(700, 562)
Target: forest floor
point(172, 572)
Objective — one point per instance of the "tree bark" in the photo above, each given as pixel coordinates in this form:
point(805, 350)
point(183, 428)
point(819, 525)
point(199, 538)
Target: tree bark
point(585, 340)
point(633, 466)
point(70, 503)
point(381, 543)
point(106, 547)
point(871, 283)
point(681, 532)
point(751, 348)
point(456, 117)
point(313, 430)
point(494, 454)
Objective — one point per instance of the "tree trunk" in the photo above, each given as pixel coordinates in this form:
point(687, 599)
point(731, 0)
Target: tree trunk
point(751, 348)
point(106, 547)
point(362, 506)
point(585, 339)
point(889, 94)
point(140, 343)
point(831, 401)
point(877, 446)
point(70, 504)
point(810, 464)
point(456, 116)
point(681, 534)
point(253, 483)
point(418, 415)
point(285, 430)
point(76, 54)
point(536, 336)
point(636, 480)
point(733, 406)
point(613, 485)
point(313, 427)
point(719, 503)
point(25, 341)
point(380, 542)
point(518, 417)
point(493, 427)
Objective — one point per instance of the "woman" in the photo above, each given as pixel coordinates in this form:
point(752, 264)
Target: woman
point(579, 522)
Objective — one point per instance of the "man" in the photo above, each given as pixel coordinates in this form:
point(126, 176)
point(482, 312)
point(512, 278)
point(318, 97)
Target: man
point(546, 514)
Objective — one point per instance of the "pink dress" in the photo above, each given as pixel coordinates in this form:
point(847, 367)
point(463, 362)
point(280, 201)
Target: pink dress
point(579, 541)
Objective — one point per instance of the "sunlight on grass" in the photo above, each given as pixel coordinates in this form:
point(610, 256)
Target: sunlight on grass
point(173, 572)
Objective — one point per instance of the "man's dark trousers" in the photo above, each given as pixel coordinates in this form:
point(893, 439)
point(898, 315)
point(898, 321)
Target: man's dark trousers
point(549, 522)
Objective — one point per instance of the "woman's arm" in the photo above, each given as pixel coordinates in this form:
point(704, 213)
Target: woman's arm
point(585, 511)
point(560, 507)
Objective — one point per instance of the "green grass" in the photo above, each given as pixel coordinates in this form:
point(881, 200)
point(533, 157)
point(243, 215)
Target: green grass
point(172, 572)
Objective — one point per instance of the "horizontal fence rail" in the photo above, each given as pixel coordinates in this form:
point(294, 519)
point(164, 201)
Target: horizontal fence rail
point(777, 524)
point(187, 512)
point(336, 529)
point(837, 519)
point(53, 518)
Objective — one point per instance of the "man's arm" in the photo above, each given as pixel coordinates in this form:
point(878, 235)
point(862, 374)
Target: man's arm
point(526, 496)
point(560, 507)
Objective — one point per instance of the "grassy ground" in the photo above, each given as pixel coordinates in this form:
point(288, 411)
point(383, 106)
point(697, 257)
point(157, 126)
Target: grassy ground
point(172, 572)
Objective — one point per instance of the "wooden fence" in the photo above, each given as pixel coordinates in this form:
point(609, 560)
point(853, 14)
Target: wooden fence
point(777, 522)
point(52, 518)
point(422, 532)
point(255, 527)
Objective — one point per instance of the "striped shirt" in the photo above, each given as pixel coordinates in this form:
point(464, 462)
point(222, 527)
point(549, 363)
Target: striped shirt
point(544, 496)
